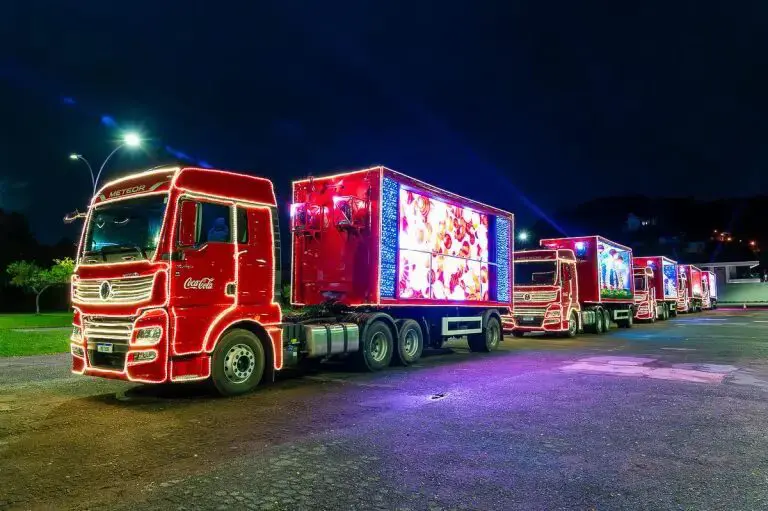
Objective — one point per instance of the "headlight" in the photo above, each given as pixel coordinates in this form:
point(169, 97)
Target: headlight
point(77, 351)
point(553, 313)
point(77, 334)
point(148, 336)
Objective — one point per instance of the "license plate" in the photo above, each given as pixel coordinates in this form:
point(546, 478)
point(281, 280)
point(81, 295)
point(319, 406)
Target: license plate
point(527, 318)
point(104, 348)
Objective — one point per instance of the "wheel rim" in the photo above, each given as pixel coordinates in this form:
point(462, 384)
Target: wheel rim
point(378, 349)
point(411, 343)
point(239, 363)
point(493, 335)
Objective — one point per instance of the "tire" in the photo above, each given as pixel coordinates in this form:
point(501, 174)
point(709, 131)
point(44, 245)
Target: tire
point(518, 333)
point(237, 364)
point(630, 321)
point(410, 343)
point(606, 320)
point(598, 328)
point(573, 326)
point(673, 311)
point(376, 348)
point(489, 339)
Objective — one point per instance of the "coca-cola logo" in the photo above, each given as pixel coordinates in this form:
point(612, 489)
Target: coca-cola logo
point(206, 283)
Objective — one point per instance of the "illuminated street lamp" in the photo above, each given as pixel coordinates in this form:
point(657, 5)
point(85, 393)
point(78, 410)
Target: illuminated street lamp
point(522, 236)
point(130, 139)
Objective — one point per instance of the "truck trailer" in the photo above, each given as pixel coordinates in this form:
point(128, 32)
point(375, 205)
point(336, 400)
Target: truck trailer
point(690, 300)
point(573, 284)
point(178, 271)
point(709, 290)
point(656, 290)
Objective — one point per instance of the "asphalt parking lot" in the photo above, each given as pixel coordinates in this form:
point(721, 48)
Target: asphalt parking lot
point(671, 415)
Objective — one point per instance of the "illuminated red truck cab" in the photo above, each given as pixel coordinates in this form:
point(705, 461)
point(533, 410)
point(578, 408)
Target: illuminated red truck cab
point(709, 290)
point(656, 287)
point(573, 284)
point(178, 271)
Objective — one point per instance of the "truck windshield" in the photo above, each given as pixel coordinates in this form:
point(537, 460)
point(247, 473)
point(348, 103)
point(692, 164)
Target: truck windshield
point(127, 228)
point(529, 273)
point(639, 283)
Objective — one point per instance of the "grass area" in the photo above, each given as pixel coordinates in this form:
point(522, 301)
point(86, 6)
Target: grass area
point(40, 342)
point(48, 319)
point(34, 342)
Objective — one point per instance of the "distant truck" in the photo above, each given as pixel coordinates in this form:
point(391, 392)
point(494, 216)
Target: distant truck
point(656, 287)
point(573, 284)
point(709, 290)
point(690, 296)
point(178, 272)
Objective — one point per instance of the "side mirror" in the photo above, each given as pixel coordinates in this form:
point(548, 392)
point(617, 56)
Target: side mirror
point(188, 223)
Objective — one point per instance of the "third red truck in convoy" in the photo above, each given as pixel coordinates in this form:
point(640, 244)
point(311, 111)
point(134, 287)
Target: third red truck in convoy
point(656, 287)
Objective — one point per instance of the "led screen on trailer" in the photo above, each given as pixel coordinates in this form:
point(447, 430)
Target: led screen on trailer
point(614, 268)
point(443, 250)
point(669, 271)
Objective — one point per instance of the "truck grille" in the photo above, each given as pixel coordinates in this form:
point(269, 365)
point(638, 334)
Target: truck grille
point(107, 328)
point(112, 332)
point(125, 290)
point(535, 296)
point(530, 311)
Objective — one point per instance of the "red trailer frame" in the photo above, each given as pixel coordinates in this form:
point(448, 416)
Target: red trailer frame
point(356, 216)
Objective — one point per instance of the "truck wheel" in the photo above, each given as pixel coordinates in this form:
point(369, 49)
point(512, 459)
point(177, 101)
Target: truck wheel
point(489, 339)
point(376, 347)
point(237, 365)
point(673, 311)
point(573, 326)
point(627, 323)
point(666, 311)
point(598, 321)
point(410, 343)
point(606, 319)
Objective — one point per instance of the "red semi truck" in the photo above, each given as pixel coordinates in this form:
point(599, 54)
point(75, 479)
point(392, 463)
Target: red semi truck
point(177, 272)
point(656, 287)
point(573, 284)
point(689, 298)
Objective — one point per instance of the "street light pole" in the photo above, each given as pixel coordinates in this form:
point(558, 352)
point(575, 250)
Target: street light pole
point(129, 140)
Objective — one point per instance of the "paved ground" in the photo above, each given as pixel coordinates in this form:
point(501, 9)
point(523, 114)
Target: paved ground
point(666, 416)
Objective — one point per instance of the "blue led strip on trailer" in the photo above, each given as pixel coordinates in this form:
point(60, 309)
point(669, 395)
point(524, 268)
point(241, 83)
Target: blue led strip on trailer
point(390, 193)
point(503, 283)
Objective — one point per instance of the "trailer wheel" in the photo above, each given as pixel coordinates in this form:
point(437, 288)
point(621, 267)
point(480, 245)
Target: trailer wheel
point(376, 347)
point(410, 343)
point(606, 320)
point(627, 323)
point(237, 364)
point(666, 311)
point(673, 311)
point(598, 328)
point(573, 325)
point(489, 339)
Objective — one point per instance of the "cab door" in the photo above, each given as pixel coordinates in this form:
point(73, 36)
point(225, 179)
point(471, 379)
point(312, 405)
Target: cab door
point(203, 271)
point(255, 248)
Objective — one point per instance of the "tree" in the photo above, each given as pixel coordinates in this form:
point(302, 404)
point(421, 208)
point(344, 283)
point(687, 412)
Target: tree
point(31, 277)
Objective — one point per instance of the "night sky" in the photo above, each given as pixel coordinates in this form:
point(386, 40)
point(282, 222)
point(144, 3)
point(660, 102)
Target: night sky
point(528, 106)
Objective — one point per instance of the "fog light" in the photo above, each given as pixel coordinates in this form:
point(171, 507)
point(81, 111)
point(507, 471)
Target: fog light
point(149, 336)
point(144, 356)
point(77, 351)
point(77, 334)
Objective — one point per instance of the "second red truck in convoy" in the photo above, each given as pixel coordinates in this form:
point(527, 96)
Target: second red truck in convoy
point(573, 284)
